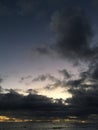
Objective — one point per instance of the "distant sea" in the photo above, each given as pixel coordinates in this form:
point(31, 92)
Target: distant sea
point(47, 126)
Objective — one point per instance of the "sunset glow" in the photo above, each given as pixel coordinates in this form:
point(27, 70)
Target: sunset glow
point(9, 119)
point(49, 61)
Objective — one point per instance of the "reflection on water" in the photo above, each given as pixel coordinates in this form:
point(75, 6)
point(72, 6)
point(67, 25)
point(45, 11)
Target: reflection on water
point(47, 126)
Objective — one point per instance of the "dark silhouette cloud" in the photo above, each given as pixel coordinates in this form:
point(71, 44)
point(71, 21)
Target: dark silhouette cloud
point(31, 91)
point(38, 105)
point(74, 33)
point(45, 77)
point(55, 85)
point(84, 101)
point(93, 70)
point(65, 73)
point(74, 83)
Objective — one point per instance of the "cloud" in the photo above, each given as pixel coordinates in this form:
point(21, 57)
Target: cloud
point(74, 33)
point(54, 85)
point(56, 82)
point(37, 105)
point(93, 70)
point(74, 36)
point(45, 77)
point(65, 73)
point(84, 89)
point(31, 91)
point(25, 78)
point(40, 78)
point(75, 83)
point(84, 102)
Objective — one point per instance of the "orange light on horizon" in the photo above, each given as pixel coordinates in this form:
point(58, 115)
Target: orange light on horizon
point(4, 119)
point(8, 119)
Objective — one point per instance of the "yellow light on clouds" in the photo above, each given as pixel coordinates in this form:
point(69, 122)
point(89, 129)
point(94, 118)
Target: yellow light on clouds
point(8, 119)
point(56, 93)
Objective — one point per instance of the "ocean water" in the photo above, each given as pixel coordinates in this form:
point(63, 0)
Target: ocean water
point(47, 126)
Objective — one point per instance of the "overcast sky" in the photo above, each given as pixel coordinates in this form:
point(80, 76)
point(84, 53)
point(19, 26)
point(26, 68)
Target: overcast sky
point(49, 49)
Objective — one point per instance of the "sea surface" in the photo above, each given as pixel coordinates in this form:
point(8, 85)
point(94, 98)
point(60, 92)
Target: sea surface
point(47, 126)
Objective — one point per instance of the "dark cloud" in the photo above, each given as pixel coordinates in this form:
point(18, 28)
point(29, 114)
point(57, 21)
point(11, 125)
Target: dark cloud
point(93, 70)
point(44, 50)
point(25, 78)
point(74, 41)
point(92, 73)
point(65, 73)
point(36, 105)
point(45, 77)
point(56, 82)
point(83, 102)
point(40, 78)
point(74, 83)
point(74, 33)
point(31, 91)
point(84, 91)
point(54, 85)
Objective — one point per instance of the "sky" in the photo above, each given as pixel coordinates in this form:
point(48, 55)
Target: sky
point(49, 58)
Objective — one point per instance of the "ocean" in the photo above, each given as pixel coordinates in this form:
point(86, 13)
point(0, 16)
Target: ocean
point(47, 126)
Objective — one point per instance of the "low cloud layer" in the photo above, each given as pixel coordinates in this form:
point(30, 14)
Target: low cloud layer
point(36, 105)
point(83, 103)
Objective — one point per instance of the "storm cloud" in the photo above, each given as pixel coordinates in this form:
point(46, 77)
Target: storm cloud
point(74, 35)
point(84, 101)
point(37, 105)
